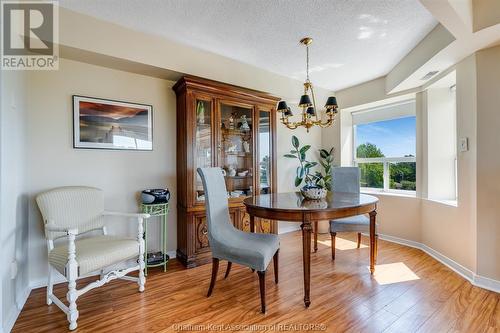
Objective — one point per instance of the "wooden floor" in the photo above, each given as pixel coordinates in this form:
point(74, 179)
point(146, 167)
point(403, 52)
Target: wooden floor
point(410, 292)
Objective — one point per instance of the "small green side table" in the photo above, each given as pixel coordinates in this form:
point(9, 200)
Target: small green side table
point(161, 211)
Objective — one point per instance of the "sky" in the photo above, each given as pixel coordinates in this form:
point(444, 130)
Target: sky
point(395, 137)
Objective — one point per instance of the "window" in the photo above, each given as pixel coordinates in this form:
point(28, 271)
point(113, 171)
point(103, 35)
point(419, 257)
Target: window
point(442, 140)
point(385, 145)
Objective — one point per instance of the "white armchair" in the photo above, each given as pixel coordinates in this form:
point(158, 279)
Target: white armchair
point(70, 212)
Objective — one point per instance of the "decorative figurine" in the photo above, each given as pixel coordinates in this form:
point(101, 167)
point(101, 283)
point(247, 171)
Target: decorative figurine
point(244, 123)
point(231, 149)
point(246, 146)
point(231, 171)
point(231, 121)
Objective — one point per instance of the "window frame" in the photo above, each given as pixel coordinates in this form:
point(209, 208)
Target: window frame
point(385, 162)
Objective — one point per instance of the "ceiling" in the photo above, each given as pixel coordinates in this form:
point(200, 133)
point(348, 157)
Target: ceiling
point(354, 41)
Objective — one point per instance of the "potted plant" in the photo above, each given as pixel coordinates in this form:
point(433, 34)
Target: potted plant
point(316, 184)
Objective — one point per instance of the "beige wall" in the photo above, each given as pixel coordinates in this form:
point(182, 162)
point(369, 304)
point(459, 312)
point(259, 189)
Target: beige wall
point(121, 174)
point(488, 162)
point(13, 207)
point(399, 216)
point(485, 13)
point(447, 229)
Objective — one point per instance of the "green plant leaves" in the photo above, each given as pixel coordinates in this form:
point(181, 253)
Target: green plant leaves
point(300, 172)
point(305, 149)
point(298, 181)
point(310, 165)
point(303, 172)
point(323, 153)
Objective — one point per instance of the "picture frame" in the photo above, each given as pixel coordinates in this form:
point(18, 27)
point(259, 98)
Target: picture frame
point(100, 123)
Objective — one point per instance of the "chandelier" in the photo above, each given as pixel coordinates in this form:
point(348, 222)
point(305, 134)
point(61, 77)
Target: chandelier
point(308, 104)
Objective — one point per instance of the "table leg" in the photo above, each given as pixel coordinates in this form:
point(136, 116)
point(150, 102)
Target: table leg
point(146, 221)
point(315, 236)
point(164, 220)
point(372, 241)
point(252, 223)
point(306, 254)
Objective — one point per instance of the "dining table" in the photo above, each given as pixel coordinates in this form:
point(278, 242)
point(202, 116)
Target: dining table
point(294, 207)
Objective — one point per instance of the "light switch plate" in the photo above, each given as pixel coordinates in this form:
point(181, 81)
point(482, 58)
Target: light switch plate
point(464, 144)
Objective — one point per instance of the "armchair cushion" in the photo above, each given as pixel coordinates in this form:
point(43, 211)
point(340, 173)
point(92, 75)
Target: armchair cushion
point(95, 253)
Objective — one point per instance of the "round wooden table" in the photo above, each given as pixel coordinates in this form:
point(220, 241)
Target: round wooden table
point(295, 208)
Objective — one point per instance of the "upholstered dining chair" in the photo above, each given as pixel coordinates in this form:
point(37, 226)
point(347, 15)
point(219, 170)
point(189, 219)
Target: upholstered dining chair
point(346, 179)
point(253, 250)
point(70, 213)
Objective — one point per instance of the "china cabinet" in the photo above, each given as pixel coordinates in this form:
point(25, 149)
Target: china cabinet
point(220, 125)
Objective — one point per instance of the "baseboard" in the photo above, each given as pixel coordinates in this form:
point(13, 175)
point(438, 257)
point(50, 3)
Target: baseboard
point(14, 314)
point(486, 283)
point(42, 283)
point(473, 278)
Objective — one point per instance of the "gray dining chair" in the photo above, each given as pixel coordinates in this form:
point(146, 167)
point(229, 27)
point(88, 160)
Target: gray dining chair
point(346, 179)
point(253, 250)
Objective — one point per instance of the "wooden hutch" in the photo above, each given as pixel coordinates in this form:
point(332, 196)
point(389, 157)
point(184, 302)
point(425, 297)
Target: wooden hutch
point(229, 127)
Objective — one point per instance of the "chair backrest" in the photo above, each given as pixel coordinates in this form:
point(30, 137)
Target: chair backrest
point(72, 207)
point(346, 179)
point(218, 221)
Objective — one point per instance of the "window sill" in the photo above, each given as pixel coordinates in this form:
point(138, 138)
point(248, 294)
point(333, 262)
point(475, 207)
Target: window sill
point(452, 203)
point(394, 193)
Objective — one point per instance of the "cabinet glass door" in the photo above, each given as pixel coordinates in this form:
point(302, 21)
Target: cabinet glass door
point(264, 152)
point(236, 149)
point(203, 152)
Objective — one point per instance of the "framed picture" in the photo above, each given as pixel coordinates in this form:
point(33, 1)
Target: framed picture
point(106, 124)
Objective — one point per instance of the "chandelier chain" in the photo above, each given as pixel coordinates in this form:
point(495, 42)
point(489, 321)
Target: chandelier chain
point(307, 63)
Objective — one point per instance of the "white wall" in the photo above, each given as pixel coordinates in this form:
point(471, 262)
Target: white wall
point(13, 207)
point(121, 174)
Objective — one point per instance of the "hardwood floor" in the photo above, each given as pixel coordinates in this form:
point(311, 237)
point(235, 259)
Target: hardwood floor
point(432, 298)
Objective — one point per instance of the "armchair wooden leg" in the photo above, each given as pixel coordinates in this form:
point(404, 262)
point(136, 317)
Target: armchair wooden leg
point(71, 275)
point(262, 284)
point(215, 269)
point(228, 269)
point(142, 265)
point(376, 248)
point(359, 240)
point(49, 286)
point(276, 263)
point(333, 234)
